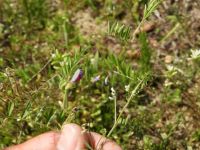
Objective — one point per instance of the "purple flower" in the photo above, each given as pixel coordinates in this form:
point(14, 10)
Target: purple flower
point(95, 79)
point(77, 76)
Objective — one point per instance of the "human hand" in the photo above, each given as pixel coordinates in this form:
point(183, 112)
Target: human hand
point(70, 138)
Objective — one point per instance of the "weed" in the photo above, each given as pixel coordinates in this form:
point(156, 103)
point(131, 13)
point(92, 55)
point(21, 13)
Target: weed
point(118, 30)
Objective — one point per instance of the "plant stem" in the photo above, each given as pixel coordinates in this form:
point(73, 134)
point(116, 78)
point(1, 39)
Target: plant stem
point(137, 29)
point(65, 33)
point(45, 65)
point(65, 100)
point(170, 32)
point(115, 103)
point(133, 93)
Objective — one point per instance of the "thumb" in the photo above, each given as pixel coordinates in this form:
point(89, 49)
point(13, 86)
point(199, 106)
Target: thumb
point(71, 138)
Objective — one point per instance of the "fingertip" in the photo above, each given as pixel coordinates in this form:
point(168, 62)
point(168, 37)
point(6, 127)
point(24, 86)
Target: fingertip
point(100, 142)
point(110, 145)
point(71, 137)
point(71, 127)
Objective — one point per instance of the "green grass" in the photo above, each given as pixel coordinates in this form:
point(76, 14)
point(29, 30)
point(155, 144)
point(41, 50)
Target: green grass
point(128, 91)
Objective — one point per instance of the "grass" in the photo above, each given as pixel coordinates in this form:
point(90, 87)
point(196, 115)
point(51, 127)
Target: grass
point(105, 72)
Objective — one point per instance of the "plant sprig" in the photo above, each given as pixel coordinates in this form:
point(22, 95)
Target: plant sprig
point(123, 32)
point(119, 30)
point(148, 10)
point(134, 92)
point(65, 66)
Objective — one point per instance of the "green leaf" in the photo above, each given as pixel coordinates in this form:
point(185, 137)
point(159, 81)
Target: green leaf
point(119, 30)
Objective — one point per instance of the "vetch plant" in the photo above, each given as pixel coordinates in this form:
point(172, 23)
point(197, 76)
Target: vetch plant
point(148, 10)
point(119, 30)
point(141, 83)
point(68, 71)
point(124, 32)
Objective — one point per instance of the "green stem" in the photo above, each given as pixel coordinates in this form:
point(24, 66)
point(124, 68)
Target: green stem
point(65, 100)
point(137, 29)
point(65, 33)
point(115, 103)
point(133, 93)
point(173, 30)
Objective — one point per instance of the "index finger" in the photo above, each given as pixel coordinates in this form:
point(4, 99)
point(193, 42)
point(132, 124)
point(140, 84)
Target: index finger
point(100, 142)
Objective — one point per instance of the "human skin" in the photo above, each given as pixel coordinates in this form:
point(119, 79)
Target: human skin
point(71, 137)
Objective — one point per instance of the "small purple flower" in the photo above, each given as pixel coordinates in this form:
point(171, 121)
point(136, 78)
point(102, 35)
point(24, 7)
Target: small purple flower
point(95, 79)
point(77, 76)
